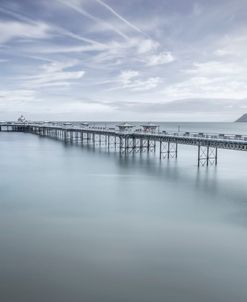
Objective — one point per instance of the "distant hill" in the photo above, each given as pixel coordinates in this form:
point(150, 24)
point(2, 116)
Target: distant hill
point(242, 119)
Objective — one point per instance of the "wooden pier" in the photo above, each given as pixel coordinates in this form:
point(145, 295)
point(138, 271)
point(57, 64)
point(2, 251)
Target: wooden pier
point(126, 140)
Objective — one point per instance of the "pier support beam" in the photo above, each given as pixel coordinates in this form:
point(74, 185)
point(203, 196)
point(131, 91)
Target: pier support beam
point(122, 145)
point(168, 149)
point(207, 155)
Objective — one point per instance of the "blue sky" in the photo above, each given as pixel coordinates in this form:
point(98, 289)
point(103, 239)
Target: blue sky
point(160, 60)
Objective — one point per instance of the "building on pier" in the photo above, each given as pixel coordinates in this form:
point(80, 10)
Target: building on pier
point(84, 124)
point(21, 119)
point(125, 127)
point(150, 128)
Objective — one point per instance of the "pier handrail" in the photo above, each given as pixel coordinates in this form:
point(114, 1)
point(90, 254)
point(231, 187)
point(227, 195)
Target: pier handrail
point(162, 133)
point(136, 139)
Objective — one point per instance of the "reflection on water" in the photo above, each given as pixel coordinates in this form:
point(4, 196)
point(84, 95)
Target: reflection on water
point(83, 224)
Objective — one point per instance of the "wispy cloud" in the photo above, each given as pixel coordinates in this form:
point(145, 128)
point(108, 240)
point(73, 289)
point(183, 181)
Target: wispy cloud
point(160, 59)
point(216, 68)
point(127, 75)
point(132, 81)
point(53, 75)
point(196, 87)
point(55, 29)
point(110, 56)
point(63, 49)
point(193, 105)
point(84, 13)
point(147, 45)
point(14, 99)
point(109, 8)
point(137, 50)
point(12, 29)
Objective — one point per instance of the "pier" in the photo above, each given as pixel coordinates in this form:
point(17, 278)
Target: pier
point(127, 139)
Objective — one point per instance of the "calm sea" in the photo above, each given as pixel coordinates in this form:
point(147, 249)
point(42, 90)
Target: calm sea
point(79, 224)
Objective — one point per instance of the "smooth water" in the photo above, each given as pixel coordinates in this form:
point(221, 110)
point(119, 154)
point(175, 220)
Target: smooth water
point(83, 224)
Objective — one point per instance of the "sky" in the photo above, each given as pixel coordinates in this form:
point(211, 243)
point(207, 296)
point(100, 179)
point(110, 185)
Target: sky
point(133, 60)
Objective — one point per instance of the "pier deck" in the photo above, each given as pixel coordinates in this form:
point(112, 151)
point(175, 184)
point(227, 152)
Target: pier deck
point(137, 141)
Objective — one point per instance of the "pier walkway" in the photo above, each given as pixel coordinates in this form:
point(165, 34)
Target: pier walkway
point(133, 139)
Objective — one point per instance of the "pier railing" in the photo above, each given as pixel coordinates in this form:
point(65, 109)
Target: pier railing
point(136, 139)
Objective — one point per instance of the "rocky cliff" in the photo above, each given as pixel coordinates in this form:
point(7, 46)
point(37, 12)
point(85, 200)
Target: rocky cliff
point(242, 119)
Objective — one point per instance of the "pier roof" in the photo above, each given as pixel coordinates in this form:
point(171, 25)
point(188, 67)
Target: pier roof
point(125, 126)
point(149, 127)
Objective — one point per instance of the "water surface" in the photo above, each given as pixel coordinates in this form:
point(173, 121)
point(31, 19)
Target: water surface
point(84, 224)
